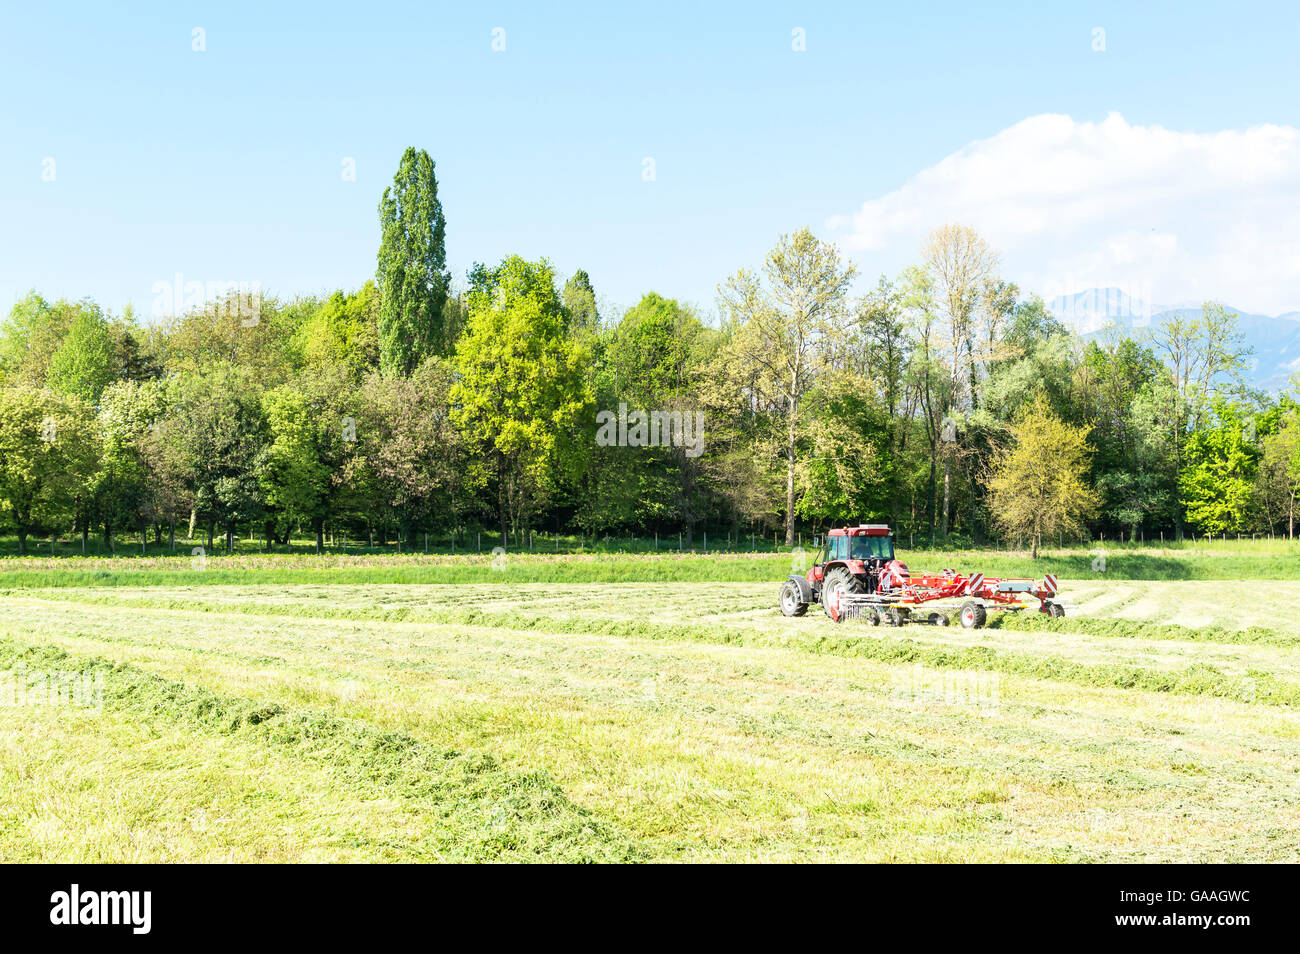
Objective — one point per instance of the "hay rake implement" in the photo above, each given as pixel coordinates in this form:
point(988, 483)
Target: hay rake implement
point(858, 576)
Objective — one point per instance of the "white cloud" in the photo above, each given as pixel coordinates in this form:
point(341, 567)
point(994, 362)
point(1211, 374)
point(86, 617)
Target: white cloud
point(1074, 205)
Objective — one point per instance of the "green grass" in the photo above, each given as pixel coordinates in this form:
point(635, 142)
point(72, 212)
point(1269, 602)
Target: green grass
point(1259, 560)
point(656, 720)
point(1135, 629)
point(852, 640)
point(471, 808)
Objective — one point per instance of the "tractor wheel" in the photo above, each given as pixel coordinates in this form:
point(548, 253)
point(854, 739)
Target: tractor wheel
point(792, 603)
point(1055, 610)
point(973, 615)
point(939, 619)
point(838, 582)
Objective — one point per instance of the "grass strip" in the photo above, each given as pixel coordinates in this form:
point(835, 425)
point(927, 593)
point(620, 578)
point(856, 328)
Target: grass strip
point(1138, 629)
point(477, 810)
point(851, 640)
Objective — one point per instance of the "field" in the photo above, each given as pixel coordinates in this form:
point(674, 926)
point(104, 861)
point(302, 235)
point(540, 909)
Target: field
point(659, 709)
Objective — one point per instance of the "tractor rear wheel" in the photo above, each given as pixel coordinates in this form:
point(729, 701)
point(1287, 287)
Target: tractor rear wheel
point(792, 603)
point(973, 615)
point(838, 582)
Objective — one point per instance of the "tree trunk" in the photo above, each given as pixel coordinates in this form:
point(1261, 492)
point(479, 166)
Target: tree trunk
point(931, 501)
point(947, 466)
point(230, 537)
point(789, 486)
point(320, 534)
point(211, 532)
point(501, 511)
point(108, 537)
point(22, 539)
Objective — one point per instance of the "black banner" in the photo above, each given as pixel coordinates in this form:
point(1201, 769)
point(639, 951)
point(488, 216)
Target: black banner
point(139, 904)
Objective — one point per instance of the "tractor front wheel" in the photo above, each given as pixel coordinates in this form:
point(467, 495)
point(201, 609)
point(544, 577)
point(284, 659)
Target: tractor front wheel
point(792, 603)
point(973, 615)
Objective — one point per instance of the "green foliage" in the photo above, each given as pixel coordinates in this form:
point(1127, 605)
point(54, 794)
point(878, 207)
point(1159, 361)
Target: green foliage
point(649, 361)
point(479, 406)
point(344, 331)
point(1216, 482)
point(33, 333)
point(124, 487)
point(293, 475)
point(848, 468)
point(83, 363)
point(1039, 485)
point(1277, 484)
point(521, 398)
point(215, 425)
point(580, 302)
point(412, 273)
point(409, 453)
point(48, 453)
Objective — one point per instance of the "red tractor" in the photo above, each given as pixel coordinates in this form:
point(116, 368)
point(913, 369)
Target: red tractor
point(858, 575)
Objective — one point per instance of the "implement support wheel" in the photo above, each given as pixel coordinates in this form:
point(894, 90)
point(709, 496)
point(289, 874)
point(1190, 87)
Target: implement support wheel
point(973, 615)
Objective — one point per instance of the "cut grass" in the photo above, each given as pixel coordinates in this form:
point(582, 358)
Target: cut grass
point(852, 640)
point(715, 741)
point(470, 809)
point(1135, 629)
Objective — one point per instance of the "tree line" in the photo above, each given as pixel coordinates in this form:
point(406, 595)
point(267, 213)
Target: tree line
point(942, 400)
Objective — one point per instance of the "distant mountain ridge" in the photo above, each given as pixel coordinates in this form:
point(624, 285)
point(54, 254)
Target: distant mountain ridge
point(1274, 340)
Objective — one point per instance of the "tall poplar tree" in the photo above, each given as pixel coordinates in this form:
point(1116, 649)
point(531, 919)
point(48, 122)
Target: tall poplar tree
point(412, 273)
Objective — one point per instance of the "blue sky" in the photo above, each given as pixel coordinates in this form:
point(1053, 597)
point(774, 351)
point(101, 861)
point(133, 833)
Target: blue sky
point(226, 164)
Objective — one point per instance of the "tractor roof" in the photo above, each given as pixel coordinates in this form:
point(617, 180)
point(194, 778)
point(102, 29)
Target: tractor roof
point(862, 530)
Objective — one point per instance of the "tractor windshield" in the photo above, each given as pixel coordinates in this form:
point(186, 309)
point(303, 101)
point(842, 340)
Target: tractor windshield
point(868, 548)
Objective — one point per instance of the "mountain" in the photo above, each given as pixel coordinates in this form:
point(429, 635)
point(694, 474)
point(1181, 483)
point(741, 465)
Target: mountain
point(1092, 310)
point(1274, 341)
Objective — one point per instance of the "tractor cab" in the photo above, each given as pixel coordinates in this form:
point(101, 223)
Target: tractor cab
point(866, 543)
point(862, 551)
